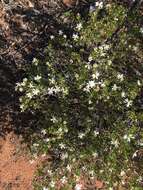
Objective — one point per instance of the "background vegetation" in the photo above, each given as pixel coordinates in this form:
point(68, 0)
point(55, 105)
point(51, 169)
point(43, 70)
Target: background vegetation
point(86, 90)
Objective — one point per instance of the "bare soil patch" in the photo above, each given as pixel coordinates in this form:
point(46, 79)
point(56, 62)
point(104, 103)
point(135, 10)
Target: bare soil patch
point(16, 168)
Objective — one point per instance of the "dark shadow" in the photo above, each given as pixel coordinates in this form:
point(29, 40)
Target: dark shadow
point(28, 34)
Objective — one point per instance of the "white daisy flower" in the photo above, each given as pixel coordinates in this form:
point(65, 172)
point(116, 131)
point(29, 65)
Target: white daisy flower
point(123, 94)
point(65, 36)
point(139, 83)
point(63, 180)
point(32, 161)
point(43, 131)
point(91, 84)
point(45, 188)
point(68, 168)
point(128, 102)
point(29, 95)
point(95, 154)
point(90, 59)
point(120, 77)
point(62, 145)
point(37, 78)
point(114, 88)
point(75, 36)
point(141, 30)
point(135, 154)
point(60, 32)
point(96, 133)
point(122, 173)
point(81, 135)
point(64, 156)
point(115, 143)
point(78, 187)
point(52, 184)
point(36, 91)
point(52, 37)
point(79, 26)
point(20, 89)
point(99, 4)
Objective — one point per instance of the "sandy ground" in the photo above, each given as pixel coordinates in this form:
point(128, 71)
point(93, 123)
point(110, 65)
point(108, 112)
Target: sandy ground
point(16, 168)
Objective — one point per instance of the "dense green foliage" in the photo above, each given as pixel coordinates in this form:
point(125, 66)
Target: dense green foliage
point(86, 90)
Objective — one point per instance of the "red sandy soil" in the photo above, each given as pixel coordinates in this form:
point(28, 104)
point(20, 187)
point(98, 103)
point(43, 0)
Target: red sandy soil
point(16, 169)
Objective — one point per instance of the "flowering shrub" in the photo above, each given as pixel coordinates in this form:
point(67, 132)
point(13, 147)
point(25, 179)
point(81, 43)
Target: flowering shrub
point(86, 90)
